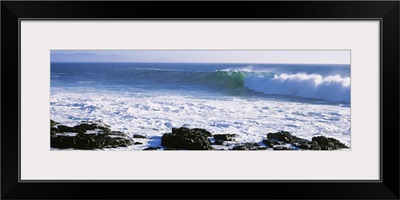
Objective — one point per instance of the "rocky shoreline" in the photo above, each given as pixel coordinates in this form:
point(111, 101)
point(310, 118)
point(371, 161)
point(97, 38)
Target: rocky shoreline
point(91, 136)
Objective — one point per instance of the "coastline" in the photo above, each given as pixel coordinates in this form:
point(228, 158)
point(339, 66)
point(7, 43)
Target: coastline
point(153, 115)
point(96, 136)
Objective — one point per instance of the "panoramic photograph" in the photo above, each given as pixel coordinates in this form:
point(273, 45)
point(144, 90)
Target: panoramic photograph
point(134, 100)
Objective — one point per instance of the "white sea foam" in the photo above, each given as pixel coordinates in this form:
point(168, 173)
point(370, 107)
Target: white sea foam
point(331, 88)
point(154, 115)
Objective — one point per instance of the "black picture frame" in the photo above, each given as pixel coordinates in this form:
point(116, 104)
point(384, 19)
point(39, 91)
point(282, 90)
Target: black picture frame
point(386, 11)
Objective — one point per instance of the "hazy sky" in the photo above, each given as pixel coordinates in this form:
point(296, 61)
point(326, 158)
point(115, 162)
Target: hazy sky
point(204, 56)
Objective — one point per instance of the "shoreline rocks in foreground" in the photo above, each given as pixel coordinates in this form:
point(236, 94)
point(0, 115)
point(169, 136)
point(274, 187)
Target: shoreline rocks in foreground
point(87, 136)
point(91, 136)
point(185, 138)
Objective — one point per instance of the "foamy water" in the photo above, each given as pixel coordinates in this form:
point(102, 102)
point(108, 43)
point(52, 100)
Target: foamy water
point(153, 116)
point(247, 100)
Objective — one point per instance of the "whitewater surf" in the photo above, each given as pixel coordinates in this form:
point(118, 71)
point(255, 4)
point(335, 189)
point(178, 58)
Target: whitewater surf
point(249, 100)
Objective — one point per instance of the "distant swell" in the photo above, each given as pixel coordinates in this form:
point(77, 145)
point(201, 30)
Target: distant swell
point(331, 88)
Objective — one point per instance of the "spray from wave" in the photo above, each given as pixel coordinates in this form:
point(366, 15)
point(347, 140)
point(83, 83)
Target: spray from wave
point(331, 88)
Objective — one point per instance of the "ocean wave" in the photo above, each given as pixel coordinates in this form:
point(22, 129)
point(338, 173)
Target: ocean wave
point(321, 85)
point(331, 88)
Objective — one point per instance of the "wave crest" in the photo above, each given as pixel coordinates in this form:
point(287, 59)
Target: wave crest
point(331, 88)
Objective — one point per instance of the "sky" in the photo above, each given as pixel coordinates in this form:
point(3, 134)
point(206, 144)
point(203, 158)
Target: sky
point(205, 56)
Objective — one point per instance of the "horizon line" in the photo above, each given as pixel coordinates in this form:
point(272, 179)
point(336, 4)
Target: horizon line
point(203, 62)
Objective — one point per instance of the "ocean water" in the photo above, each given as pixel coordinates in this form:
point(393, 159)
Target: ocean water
point(246, 99)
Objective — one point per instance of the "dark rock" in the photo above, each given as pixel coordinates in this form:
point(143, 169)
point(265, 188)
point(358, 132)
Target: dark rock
point(53, 123)
point(306, 144)
point(62, 142)
point(219, 142)
point(63, 129)
point(115, 133)
point(139, 136)
point(184, 138)
point(202, 131)
point(171, 149)
point(268, 143)
point(102, 138)
point(181, 130)
point(225, 137)
point(248, 146)
point(300, 140)
point(89, 141)
point(303, 145)
point(280, 148)
point(272, 142)
point(137, 143)
point(81, 128)
point(151, 148)
point(53, 130)
point(198, 131)
point(314, 145)
point(283, 136)
point(328, 143)
point(240, 147)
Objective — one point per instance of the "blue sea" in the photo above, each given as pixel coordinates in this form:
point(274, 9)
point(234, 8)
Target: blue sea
point(330, 83)
point(246, 99)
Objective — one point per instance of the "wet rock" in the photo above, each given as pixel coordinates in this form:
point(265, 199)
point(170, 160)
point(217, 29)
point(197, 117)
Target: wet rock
point(185, 138)
point(240, 147)
point(63, 129)
point(302, 145)
point(181, 130)
point(202, 132)
point(53, 123)
point(283, 136)
point(328, 143)
point(248, 146)
point(315, 147)
point(271, 142)
point(137, 143)
point(81, 128)
point(197, 131)
point(53, 131)
point(225, 137)
point(139, 136)
point(300, 140)
point(77, 138)
point(115, 133)
point(89, 141)
point(218, 142)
